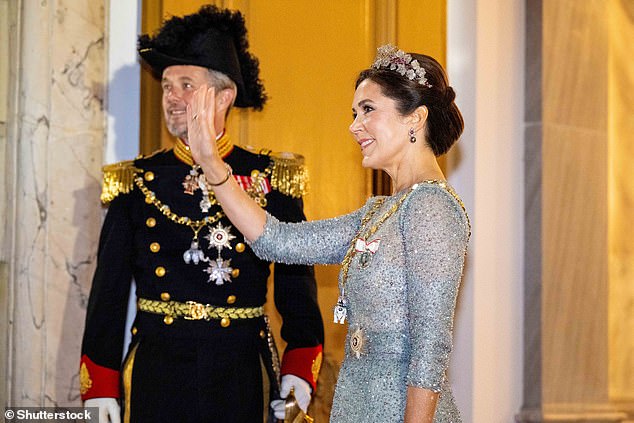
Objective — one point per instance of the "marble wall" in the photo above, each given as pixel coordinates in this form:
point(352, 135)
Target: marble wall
point(55, 137)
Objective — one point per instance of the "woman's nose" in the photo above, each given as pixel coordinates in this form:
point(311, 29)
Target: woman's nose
point(354, 126)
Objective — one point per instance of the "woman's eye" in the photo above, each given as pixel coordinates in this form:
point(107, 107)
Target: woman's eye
point(367, 109)
point(187, 85)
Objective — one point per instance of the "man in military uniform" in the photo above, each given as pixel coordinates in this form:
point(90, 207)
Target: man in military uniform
point(199, 331)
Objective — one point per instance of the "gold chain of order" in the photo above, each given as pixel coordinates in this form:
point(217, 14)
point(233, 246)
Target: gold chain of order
point(195, 225)
point(345, 264)
point(254, 191)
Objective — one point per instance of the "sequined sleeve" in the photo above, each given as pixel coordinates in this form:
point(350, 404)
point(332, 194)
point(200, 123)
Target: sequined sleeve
point(315, 242)
point(435, 232)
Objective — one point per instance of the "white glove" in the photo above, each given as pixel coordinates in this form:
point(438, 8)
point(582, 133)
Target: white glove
point(109, 410)
point(301, 389)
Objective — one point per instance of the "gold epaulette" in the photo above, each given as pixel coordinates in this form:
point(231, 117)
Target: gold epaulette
point(118, 178)
point(289, 174)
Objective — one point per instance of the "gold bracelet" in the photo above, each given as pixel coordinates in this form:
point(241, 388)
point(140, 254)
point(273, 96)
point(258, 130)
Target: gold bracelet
point(229, 173)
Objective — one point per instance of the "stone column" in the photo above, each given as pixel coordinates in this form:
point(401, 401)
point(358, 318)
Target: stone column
point(621, 203)
point(574, 347)
point(55, 134)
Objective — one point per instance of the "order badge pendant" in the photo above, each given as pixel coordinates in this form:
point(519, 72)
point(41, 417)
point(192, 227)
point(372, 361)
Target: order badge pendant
point(364, 259)
point(365, 250)
point(340, 312)
point(190, 184)
point(219, 271)
point(205, 204)
point(194, 254)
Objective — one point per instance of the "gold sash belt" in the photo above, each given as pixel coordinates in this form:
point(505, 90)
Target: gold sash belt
point(196, 311)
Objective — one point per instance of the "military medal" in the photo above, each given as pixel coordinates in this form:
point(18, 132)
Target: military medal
point(205, 204)
point(219, 271)
point(220, 237)
point(190, 184)
point(195, 181)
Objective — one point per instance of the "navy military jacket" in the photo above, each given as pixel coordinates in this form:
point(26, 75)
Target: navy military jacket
point(143, 242)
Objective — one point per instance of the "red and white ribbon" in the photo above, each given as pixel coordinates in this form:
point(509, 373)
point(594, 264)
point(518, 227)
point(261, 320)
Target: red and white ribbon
point(361, 246)
point(245, 183)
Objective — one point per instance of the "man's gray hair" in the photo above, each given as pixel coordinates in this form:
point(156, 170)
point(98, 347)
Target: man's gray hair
point(220, 82)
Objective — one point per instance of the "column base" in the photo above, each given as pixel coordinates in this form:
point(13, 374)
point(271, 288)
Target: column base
point(575, 413)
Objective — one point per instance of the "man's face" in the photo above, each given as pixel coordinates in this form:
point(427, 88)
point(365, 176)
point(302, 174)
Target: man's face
point(179, 83)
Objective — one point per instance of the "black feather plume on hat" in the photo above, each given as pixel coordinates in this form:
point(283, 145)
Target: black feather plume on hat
point(213, 38)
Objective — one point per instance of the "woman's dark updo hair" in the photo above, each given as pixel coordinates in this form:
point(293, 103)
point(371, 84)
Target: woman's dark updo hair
point(444, 121)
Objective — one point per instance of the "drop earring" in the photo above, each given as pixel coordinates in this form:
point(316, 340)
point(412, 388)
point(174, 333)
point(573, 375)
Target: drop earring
point(412, 135)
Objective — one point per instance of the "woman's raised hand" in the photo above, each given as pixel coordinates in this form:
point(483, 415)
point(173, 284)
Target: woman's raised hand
point(244, 213)
point(201, 133)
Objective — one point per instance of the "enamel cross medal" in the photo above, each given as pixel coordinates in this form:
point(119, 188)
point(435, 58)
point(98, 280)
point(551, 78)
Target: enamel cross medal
point(341, 310)
point(194, 181)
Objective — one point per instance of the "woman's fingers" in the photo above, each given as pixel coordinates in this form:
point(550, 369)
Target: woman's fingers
point(200, 122)
point(210, 108)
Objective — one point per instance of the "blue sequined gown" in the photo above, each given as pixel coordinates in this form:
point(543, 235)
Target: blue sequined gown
point(400, 305)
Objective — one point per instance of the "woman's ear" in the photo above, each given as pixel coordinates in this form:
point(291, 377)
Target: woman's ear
point(418, 117)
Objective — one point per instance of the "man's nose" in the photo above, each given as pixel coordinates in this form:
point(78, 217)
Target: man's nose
point(174, 95)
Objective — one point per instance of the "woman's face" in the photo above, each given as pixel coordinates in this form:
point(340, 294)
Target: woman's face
point(378, 127)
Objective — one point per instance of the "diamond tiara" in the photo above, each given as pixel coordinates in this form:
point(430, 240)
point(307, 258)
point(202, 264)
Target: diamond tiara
point(390, 57)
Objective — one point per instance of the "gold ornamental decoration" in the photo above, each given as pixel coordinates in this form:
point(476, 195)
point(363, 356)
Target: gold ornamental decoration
point(85, 382)
point(118, 178)
point(289, 174)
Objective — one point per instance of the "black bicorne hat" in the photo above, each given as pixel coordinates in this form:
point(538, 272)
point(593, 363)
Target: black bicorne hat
point(212, 38)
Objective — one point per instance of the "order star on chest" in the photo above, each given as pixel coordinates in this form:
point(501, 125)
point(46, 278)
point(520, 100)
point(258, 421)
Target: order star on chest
point(220, 237)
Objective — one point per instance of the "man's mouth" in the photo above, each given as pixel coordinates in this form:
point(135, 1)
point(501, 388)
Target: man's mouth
point(177, 112)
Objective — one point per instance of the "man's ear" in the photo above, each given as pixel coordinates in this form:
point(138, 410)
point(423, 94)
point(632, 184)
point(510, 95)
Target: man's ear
point(225, 99)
